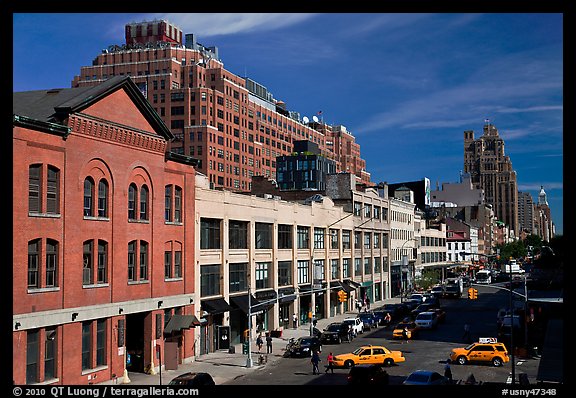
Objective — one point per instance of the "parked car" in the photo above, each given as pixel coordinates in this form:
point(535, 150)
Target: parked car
point(193, 379)
point(369, 354)
point(305, 346)
point(356, 323)
point(368, 320)
point(425, 378)
point(486, 350)
point(412, 329)
point(335, 333)
point(426, 320)
point(368, 375)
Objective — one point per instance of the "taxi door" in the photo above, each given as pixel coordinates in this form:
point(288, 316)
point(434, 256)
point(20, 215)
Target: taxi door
point(365, 356)
point(378, 355)
point(476, 353)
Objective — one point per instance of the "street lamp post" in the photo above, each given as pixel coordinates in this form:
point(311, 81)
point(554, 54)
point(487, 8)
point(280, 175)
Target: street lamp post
point(404, 264)
point(249, 358)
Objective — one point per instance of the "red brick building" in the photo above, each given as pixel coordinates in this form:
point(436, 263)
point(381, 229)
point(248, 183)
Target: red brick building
point(231, 124)
point(103, 236)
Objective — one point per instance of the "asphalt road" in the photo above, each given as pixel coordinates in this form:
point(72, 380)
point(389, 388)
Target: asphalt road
point(429, 351)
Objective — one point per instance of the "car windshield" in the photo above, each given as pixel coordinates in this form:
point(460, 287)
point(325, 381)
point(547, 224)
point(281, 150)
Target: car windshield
point(333, 328)
point(418, 377)
point(424, 316)
point(358, 350)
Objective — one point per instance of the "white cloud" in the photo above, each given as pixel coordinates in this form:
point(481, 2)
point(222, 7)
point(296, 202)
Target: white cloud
point(214, 24)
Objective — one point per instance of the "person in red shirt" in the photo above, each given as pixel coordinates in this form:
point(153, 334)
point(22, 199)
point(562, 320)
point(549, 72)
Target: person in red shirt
point(330, 361)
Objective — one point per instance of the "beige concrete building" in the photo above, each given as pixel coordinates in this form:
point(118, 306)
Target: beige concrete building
point(292, 257)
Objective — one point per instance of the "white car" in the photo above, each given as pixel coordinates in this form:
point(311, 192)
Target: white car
point(426, 320)
point(356, 323)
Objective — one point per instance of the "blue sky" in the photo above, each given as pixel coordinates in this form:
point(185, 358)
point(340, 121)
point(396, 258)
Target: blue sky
point(405, 85)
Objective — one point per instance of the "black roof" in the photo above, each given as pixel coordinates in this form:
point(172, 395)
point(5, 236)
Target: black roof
point(55, 105)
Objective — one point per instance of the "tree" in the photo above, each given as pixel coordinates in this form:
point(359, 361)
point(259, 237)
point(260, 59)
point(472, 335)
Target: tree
point(514, 249)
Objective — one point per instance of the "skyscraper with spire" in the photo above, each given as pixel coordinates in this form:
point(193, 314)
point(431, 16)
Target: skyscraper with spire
point(491, 170)
point(542, 217)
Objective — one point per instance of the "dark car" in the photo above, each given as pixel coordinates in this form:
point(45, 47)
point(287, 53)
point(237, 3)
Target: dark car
point(422, 308)
point(425, 378)
point(396, 310)
point(193, 379)
point(368, 375)
point(304, 346)
point(411, 304)
point(335, 333)
point(379, 315)
point(452, 291)
point(369, 320)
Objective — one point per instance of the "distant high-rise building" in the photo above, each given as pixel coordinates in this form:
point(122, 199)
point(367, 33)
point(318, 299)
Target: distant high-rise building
point(543, 217)
point(526, 212)
point(231, 124)
point(491, 170)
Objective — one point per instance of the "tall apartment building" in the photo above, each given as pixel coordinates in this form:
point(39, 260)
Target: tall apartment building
point(526, 213)
point(491, 170)
point(232, 125)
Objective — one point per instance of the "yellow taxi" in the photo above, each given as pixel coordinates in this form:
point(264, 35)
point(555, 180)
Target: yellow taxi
point(487, 350)
point(412, 329)
point(369, 354)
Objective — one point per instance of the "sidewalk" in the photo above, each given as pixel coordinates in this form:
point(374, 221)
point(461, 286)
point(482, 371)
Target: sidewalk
point(225, 367)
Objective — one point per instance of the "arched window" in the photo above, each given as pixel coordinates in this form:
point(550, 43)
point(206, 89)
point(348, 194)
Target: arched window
point(34, 188)
point(88, 197)
point(144, 202)
point(53, 191)
point(132, 190)
point(103, 198)
point(33, 263)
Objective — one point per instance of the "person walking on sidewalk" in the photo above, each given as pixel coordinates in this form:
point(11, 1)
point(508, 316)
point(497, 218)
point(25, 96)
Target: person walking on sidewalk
point(330, 361)
point(295, 321)
point(315, 360)
point(268, 343)
point(259, 342)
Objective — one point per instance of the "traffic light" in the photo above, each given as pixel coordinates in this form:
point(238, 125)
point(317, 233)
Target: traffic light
point(342, 296)
point(472, 293)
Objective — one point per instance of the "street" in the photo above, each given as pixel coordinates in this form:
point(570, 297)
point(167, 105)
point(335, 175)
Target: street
point(429, 351)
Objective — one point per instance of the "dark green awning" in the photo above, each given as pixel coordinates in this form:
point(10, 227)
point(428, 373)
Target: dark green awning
point(179, 322)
